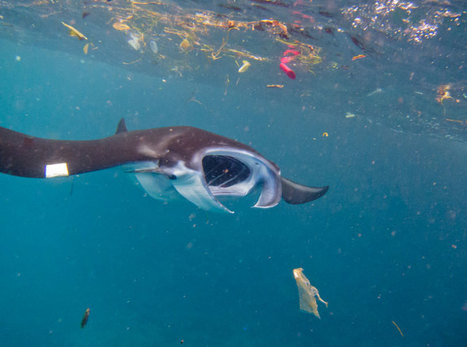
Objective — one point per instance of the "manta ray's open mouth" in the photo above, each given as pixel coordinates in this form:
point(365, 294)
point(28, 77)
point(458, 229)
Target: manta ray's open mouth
point(224, 171)
point(235, 173)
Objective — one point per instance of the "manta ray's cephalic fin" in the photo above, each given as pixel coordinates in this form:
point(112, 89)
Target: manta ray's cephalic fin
point(294, 193)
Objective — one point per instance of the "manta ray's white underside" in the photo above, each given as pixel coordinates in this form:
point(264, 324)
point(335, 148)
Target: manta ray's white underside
point(169, 183)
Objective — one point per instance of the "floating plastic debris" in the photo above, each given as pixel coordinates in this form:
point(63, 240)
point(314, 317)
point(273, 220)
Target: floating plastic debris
point(86, 48)
point(154, 47)
point(350, 115)
point(288, 56)
point(274, 86)
point(443, 93)
point(201, 34)
point(288, 71)
point(74, 32)
point(185, 45)
point(357, 57)
point(307, 293)
point(120, 26)
point(245, 65)
point(134, 41)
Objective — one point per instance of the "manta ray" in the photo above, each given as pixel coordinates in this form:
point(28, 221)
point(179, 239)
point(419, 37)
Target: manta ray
point(168, 162)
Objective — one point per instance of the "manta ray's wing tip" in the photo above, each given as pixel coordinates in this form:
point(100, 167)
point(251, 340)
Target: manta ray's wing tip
point(294, 193)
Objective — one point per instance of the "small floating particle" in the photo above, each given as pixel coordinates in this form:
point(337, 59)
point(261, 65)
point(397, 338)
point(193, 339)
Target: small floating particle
point(455, 120)
point(84, 321)
point(360, 56)
point(18, 58)
point(464, 307)
point(85, 48)
point(74, 32)
point(245, 65)
point(131, 63)
point(333, 65)
point(193, 99)
point(399, 329)
point(274, 86)
point(376, 91)
point(325, 134)
point(350, 115)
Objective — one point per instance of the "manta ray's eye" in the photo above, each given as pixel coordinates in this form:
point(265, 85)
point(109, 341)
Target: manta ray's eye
point(224, 171)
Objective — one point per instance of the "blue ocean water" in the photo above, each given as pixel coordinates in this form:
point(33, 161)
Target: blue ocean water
point(386, 245)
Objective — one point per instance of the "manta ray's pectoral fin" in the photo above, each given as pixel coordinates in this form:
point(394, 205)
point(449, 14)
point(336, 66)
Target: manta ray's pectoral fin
point(193, 188)
point(151, 170)
point(294, 193)
point(155, 181)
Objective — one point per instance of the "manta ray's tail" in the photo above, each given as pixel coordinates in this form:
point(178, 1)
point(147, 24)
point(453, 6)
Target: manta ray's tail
point(28, 156)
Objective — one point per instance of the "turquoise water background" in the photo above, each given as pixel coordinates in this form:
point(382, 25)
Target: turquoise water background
point(387, 243)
